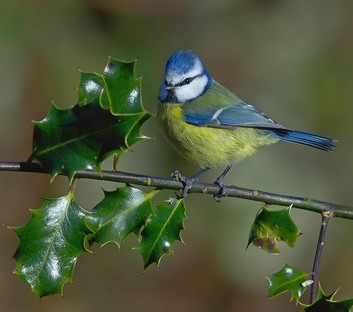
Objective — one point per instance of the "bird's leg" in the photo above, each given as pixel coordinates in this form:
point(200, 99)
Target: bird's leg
point(187, 182)
point(220, 182)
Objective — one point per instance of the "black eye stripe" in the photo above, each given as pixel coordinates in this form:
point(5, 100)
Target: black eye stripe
point(187, 80)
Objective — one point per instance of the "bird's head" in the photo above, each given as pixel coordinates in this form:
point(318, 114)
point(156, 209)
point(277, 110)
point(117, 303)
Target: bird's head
point(185, 78)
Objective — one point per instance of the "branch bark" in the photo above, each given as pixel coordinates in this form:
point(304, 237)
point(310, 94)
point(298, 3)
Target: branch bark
point(320, 244)
point(321, 207)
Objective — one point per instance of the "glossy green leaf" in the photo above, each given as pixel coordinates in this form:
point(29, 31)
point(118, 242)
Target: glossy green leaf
point(120, 212)
point(106, 121)
point(70, 140)
point(50, 244)
point(162, 229)
point(326, 303)
point(288, 279)
point(122, 91)
point(271, 227)
point(90, 88)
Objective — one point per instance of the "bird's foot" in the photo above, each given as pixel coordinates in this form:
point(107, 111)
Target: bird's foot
point(223, 190)
point(187, 183)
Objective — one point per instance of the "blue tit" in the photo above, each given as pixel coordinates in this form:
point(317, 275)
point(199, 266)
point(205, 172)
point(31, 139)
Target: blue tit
point(210, 126)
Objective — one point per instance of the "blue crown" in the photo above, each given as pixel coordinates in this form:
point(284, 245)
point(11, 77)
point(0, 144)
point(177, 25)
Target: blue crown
point(181, 62)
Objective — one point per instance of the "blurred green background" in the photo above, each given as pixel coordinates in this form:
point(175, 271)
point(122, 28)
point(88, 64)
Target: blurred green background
point(292, 59)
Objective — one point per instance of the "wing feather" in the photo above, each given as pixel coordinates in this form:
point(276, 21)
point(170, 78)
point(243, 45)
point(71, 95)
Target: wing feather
point(238, 115)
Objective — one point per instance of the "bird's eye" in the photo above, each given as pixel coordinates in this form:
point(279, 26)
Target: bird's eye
point(187, 81)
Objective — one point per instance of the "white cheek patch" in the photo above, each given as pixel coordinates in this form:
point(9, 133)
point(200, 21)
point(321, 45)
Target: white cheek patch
point(191, 91)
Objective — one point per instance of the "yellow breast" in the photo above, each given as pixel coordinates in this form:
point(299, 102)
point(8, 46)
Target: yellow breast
point(206, 146)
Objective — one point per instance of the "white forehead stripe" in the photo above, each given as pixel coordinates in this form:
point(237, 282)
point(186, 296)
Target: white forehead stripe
point(196, 70)
point(175, 77)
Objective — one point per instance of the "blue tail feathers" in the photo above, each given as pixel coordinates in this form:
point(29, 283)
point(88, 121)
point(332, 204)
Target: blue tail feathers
point(304, 138)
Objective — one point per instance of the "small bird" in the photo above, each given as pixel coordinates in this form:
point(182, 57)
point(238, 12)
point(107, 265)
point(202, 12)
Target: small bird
point(210, 126)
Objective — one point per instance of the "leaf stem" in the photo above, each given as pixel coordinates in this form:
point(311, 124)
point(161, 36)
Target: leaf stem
point(320, 244)
point(73, 185)
point(335, 210)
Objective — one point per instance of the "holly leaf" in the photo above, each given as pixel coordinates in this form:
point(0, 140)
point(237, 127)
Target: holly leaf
point(106, 121)
point(116, 89)
point(90, 88)
point(122, 91)
point(118, 214)
point(271, 227)
point(162, 229)
point(327, 303)
point(50, 244)
point(79, 138)
point(288, 279)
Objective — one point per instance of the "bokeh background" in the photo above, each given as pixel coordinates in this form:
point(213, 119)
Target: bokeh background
point(292, 59)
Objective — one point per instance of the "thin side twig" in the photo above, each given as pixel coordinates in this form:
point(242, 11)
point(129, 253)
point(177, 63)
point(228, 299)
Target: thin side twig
point(320, 244)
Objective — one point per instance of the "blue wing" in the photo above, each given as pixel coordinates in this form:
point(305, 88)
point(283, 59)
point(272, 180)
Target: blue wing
point(240, 115)
point(245, 115)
